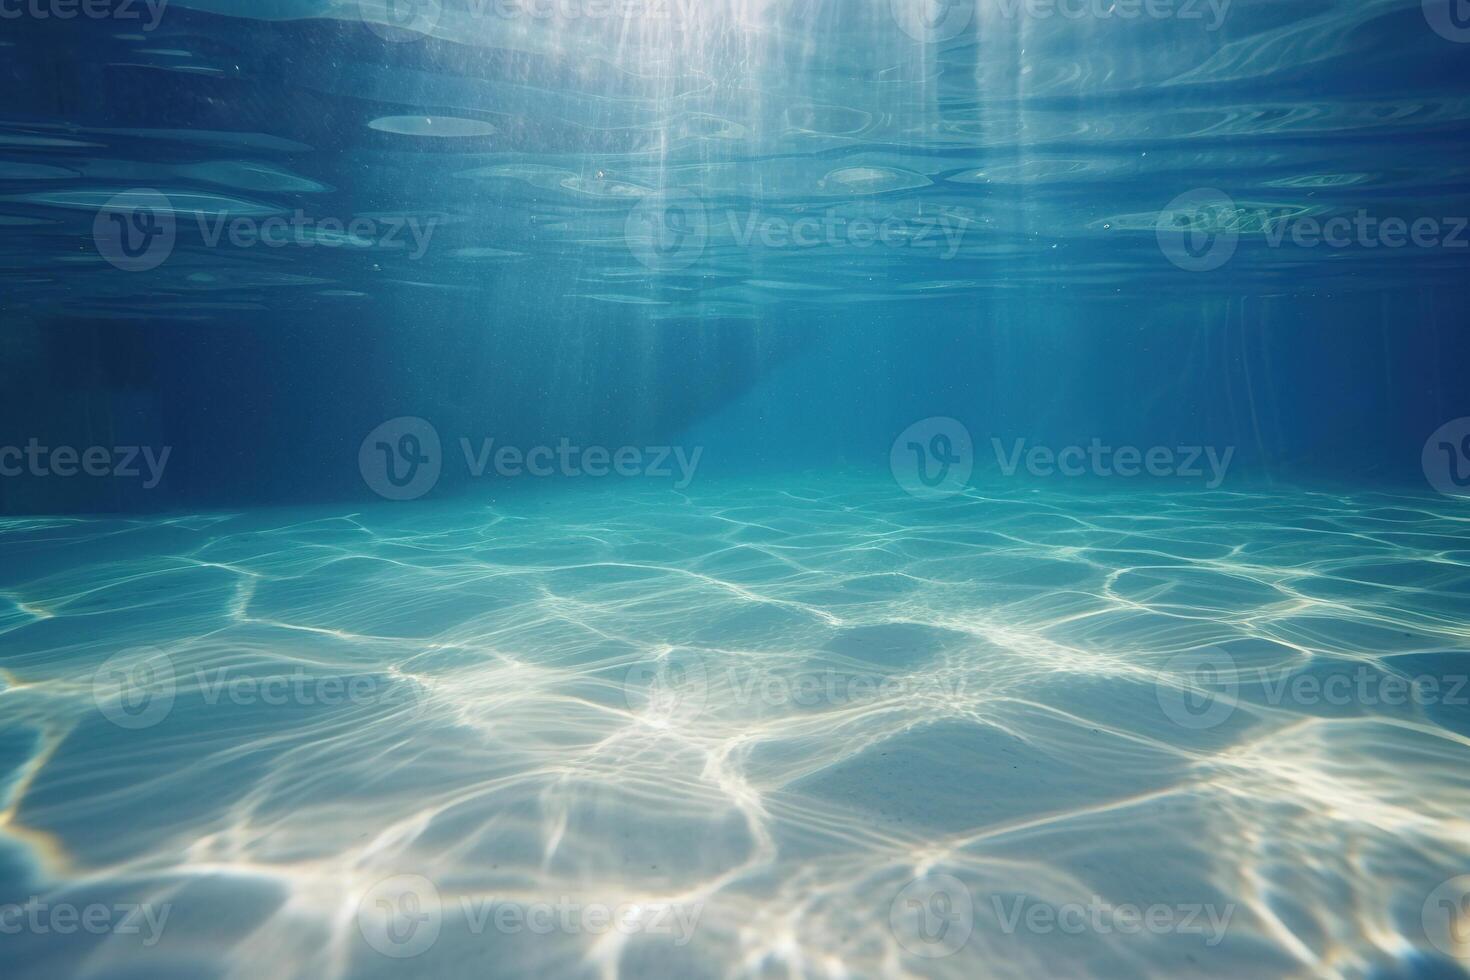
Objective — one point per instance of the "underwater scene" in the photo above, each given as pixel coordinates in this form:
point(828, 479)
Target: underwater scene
point(734, 489)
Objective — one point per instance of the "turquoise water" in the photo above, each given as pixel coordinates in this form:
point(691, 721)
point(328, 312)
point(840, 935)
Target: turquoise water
point(734, 489)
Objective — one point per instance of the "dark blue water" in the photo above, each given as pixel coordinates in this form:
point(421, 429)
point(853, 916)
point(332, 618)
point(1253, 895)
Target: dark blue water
point(743, 488)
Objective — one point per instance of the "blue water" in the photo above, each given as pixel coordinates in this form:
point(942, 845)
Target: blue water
point(879, 488)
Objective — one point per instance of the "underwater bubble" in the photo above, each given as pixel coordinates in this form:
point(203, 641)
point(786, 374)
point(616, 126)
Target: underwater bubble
point(449, 127)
